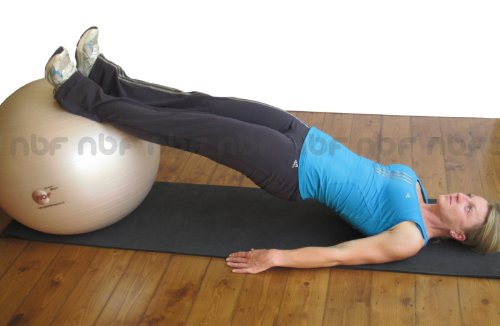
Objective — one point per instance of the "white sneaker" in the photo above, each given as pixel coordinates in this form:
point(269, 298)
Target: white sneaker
point(87, 50)
point(59, 67)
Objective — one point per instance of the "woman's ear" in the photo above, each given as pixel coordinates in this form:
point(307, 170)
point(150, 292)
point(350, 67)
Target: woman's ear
point(458, 235)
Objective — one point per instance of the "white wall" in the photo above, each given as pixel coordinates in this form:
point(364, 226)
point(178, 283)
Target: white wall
point(427, 57)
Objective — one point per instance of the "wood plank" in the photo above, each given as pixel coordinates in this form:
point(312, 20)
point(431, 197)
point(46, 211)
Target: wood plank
point(304, 298)
point(485, 134)
point(90, 295)
point(260, 298)
point(392, 300)
point(55, 286)
point(23, 274)
point(172, 161)
point(246, 182)
point(317, 119)
point(135, 289)
point(349, 298)
point(339, 126)
point(437, 300)
point(365, 135)
point(436, 297)
point(177, 291)
point(224, 176)
point(479, 301)
point(310, 118)
point(459, 157)
point(493, 300)
point(10, 249)
point(396, 142)
point(427, 148)
point(216, 300)
point(198, 169)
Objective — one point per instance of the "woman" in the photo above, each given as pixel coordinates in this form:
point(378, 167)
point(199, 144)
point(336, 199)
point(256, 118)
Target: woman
point(283, 156)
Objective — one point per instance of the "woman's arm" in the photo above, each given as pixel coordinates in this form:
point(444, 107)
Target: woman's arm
point(402, 241)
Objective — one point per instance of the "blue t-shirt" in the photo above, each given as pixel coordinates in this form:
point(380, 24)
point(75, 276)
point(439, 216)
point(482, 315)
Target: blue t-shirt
point(370, 196)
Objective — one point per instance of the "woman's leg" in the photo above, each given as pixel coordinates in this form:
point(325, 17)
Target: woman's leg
point(267, 156)
point(115, 82)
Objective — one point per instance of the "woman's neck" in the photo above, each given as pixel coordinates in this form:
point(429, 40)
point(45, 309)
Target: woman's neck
point(434, 226)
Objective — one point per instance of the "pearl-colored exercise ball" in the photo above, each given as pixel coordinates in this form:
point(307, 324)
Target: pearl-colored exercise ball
point(64, 174)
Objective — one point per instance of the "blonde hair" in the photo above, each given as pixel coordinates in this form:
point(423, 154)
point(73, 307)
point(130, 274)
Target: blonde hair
point(486, 237)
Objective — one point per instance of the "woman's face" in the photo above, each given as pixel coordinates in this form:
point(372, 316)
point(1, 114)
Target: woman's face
point(462, 212)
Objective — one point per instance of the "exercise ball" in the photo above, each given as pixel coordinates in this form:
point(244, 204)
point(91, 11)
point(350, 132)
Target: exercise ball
point(64, 174)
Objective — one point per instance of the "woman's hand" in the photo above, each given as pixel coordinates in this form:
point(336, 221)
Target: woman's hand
point(253, 261)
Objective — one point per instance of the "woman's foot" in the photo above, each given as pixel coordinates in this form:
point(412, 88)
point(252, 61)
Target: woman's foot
point(59, 67)
point(87, 50)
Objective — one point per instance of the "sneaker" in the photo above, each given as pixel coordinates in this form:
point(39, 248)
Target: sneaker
point(59, 67)
point(87, 50)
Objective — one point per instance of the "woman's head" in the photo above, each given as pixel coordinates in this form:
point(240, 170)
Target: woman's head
point(471, 220)
point(485, 238)
point(461, 212)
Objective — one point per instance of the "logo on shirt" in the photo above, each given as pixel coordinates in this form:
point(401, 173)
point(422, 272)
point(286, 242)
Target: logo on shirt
point(408, 195)
point(295, 164)
point(398, 175)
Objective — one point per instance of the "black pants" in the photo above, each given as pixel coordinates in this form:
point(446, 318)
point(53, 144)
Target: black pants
point(260, 141)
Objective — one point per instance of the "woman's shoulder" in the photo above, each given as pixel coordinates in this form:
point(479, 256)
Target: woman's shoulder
point(410, 232)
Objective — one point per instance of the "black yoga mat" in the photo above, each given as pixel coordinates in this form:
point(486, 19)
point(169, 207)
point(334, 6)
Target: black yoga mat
point(217, 220)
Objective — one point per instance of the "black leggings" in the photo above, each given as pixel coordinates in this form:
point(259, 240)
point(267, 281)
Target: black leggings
point(258, 140)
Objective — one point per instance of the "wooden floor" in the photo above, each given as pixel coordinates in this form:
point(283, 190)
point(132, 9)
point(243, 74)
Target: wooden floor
point(50, 284)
